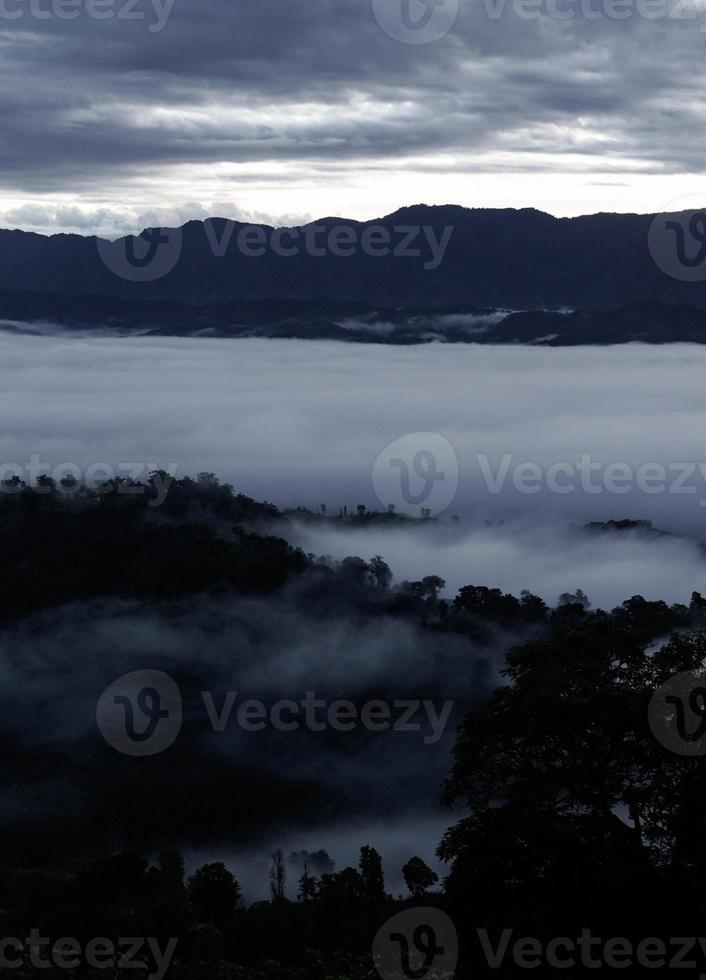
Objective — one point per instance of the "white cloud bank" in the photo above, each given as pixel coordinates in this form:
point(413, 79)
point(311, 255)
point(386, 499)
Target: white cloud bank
point(302, 423)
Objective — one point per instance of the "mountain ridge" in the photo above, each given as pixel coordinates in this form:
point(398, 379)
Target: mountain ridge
point(513, 258)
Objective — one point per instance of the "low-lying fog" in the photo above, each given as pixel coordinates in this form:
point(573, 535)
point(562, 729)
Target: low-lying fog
point(546, 558)
point(303, 423)
point(396, 841)
point(233, 793)
point(488, 439)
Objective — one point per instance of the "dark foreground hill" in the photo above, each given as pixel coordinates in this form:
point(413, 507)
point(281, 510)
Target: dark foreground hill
point(518, 259)
point(135, 802)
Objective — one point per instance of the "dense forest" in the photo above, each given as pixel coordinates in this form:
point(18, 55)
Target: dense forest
point(321, 318)
point(566, 812)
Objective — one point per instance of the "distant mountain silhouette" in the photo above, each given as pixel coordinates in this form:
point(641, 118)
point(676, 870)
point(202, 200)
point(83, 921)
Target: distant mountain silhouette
point(519, 259)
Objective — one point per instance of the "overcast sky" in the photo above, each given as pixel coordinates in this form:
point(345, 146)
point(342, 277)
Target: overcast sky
point(282, 111)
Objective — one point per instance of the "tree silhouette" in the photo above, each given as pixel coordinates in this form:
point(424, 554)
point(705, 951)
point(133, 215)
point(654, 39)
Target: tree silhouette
point(564, 779)
point(419, 877)
point(278, 876)
point(371, 874)
point(308, 885)
point(213, 893)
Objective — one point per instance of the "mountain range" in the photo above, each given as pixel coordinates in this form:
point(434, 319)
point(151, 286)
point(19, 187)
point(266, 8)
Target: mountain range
point(447, 272)
point(517, 259)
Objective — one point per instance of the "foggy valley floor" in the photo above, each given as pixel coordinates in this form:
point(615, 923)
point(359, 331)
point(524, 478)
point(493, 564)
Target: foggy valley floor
point(421, 548)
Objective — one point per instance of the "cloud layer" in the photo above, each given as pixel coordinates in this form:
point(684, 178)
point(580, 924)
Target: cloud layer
point(278, 109)
point(305, 424)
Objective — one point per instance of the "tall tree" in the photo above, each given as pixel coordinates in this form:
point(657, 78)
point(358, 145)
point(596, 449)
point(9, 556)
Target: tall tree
point(565, 781)
point(372, 875)
point(419, 877)
point(214, 894)
point(307, 885)
point(278, 876)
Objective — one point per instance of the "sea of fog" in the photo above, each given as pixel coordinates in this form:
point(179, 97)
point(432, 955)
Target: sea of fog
point(308, 423)
point(512, 449)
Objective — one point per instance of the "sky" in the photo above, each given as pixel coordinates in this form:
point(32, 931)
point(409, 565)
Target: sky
point(119, 111)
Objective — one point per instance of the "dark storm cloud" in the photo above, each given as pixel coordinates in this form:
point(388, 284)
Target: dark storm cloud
point(321, 82)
